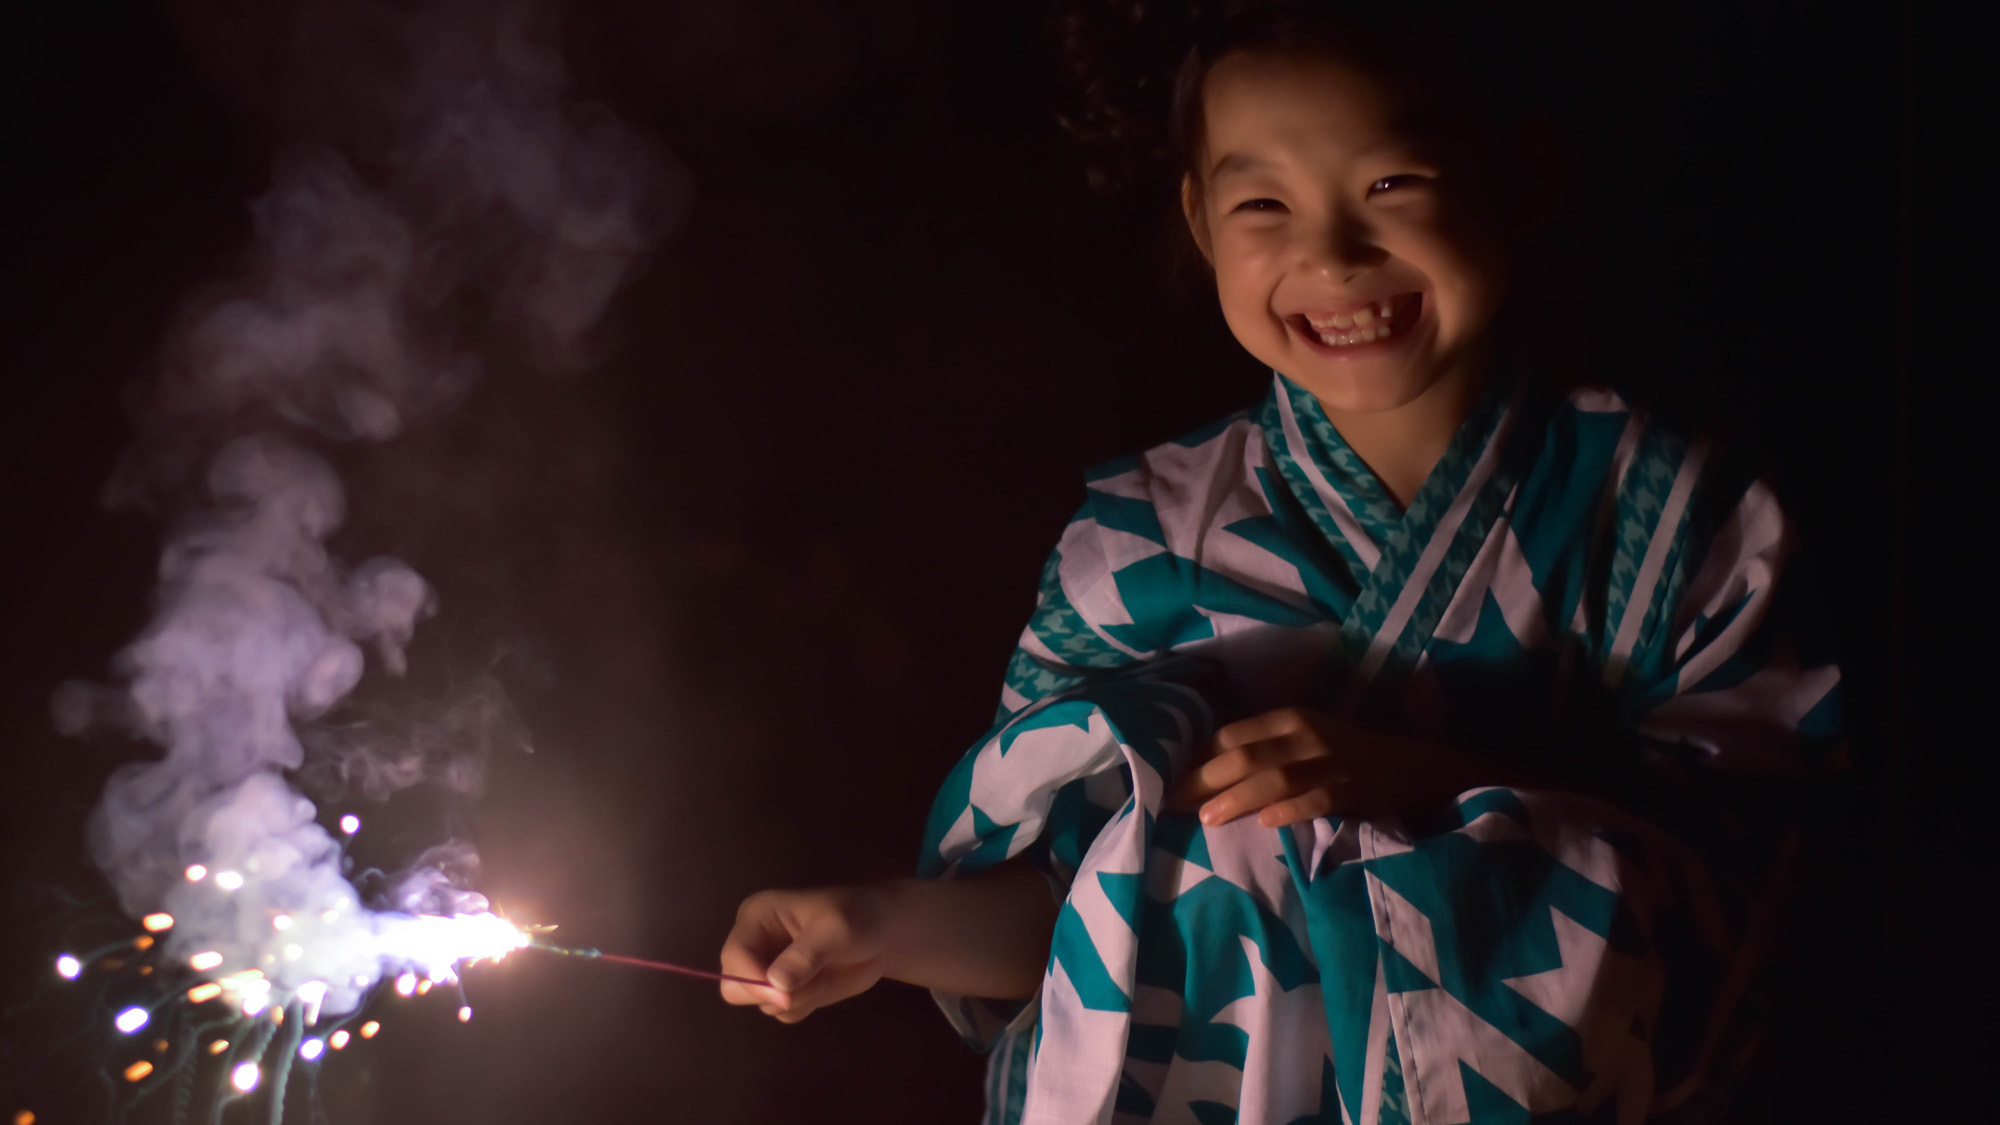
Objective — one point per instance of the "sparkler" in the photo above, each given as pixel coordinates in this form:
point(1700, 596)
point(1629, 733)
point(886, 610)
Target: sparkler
point(660, 966)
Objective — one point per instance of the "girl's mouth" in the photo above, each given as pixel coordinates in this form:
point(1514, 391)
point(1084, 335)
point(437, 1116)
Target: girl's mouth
point(1379, 322)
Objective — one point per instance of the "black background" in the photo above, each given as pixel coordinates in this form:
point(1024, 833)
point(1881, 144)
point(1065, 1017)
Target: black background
point(753, 581)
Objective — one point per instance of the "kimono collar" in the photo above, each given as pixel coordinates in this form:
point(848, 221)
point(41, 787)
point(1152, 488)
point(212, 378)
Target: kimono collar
point(1327, 474)
point(1404, 565)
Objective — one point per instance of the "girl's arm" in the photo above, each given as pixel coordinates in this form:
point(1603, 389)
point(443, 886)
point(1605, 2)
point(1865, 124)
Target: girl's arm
point(987, 935)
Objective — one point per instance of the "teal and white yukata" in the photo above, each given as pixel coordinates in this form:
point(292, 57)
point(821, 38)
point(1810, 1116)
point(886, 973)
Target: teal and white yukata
point(1577, 583)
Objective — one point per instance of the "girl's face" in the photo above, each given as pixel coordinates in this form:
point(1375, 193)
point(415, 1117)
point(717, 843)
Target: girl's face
point(1350, 254)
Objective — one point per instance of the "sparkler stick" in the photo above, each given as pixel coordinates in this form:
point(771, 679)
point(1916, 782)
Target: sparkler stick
point(662, 966)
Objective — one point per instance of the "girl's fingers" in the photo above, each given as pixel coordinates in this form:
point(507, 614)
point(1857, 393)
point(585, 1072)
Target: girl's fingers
point(1310, 805)
point(795, 968)
point(1262, 728)
point(1249, 795)
point(1210, 778)
point(1232, 767)
point(1272, 785)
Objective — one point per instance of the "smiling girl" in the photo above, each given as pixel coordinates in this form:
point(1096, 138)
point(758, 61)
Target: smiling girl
point(1386, 752)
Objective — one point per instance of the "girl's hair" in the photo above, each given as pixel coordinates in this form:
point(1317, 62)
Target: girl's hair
point(1137, 67)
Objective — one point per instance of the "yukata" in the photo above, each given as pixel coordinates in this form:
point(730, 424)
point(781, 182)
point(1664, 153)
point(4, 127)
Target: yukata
point(1578, 582)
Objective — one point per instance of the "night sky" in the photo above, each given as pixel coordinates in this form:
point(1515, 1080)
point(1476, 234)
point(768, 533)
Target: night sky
point(751, 583)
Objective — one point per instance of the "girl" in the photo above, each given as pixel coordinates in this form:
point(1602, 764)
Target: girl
point(1381, 753)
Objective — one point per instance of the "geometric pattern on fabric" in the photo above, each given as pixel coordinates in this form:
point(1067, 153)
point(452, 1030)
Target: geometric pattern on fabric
point(1574, 583)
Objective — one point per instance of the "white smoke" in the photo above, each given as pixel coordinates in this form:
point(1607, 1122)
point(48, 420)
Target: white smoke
point(486, 203)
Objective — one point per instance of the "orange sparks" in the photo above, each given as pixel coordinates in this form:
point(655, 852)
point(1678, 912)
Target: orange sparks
point(219, 1046)
point(138, 1070)
point(160, 1045)
point(25, 1117)
point(465, 1015)
point(423, 988)
point(338, 1040)
point(154, 923)
point(202, 993)
point(142, 942)
point(369, 1029)
point(205, 960)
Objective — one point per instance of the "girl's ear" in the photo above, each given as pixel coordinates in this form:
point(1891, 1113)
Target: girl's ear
point(1197, 222)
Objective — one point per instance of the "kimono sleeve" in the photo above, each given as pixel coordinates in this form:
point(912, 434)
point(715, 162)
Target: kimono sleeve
point(1736, 694)
point(1090, 731)
point(1741, 678)
point(1065, 641)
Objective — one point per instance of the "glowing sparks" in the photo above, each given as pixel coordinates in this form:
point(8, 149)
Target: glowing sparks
point(196, 873)
point(219, 1046)
point(294, 951)
point(406, 984)
point(204, 992)
point(154, 923)
point(369, 1029)
point(310, 995)
point(131, 1020)
point(25, 1117)
point(143, 942)
point(350, 824)
point(465, 1014)
point(68, 968)
point(281, 923)
point(423, 988)
point(138, 1070)
point(311, 1049)
point(205, 960)
point(229, 880)
point(245, 1076)
point(338, 1040)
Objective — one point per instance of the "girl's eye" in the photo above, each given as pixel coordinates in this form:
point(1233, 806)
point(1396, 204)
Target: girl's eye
point(1394, 183)
point(1259, 205)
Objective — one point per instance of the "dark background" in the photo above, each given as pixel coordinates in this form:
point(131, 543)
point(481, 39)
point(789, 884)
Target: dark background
point(751, 584)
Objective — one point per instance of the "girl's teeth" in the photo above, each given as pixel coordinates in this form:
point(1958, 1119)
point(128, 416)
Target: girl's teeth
point(1363, 317)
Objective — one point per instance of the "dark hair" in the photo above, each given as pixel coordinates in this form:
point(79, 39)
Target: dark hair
point(1137, 68)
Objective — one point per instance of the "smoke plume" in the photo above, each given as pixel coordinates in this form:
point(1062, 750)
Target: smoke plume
point(445, 200)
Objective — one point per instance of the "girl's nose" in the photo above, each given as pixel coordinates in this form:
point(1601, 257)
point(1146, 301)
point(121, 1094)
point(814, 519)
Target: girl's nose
point(1340, 246)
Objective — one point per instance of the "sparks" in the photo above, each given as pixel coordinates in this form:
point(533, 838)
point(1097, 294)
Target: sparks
point(350, 824)
point(465, 1014)
point(68, 968)
point(131, 1020)
point(138, 1070)
point(196, 873)
point(204, 992)
point(338, 1040)
point(229, 880)
point(205, 960)
point(219, 1046)
point(281, 923)
point(311, 1049)
point(154, 923)
point(245, 1076)
point(406, 984)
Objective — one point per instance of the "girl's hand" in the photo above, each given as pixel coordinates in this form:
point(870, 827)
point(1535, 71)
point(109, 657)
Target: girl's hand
point(817, 947)
point(984, 935)
point(1292, 765)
